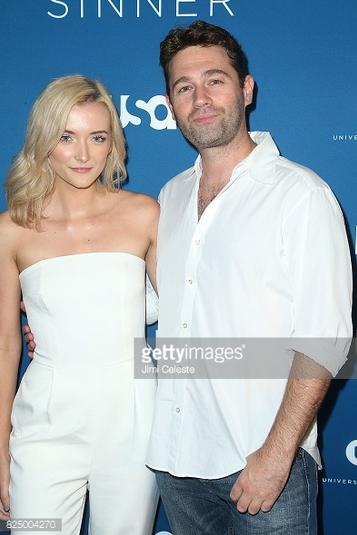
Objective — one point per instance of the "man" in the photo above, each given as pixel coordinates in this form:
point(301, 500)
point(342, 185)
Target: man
point(250, 245)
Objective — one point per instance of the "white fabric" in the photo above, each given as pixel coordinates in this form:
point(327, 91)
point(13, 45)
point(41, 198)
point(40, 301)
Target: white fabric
point(80, 418)
point(268, 258)
point(152, 303)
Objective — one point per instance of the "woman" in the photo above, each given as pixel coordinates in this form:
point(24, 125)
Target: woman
point(76, 246)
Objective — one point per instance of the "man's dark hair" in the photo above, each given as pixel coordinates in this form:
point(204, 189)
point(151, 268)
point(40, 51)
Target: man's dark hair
point(201, 33)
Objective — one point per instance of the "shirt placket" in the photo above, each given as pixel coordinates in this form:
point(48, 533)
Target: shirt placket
point(180, 386)
point(181, 408)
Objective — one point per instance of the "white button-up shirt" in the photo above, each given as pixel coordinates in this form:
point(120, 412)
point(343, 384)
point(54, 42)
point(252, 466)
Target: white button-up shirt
point(268, 258)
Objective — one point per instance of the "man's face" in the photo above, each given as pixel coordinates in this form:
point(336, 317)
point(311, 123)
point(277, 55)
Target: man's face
point(206, 98)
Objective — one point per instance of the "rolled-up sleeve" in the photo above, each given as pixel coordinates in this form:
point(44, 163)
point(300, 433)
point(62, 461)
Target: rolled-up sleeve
point(319, 270)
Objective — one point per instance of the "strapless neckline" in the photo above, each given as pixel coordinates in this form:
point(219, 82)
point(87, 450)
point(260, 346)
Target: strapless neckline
point(60, 258)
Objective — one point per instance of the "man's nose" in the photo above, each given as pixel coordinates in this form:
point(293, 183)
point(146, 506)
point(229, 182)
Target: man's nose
point(201, 96)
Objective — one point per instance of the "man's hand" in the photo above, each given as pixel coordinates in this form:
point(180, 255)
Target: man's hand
point(29, 340)
point(266, 473)
point(261, 482)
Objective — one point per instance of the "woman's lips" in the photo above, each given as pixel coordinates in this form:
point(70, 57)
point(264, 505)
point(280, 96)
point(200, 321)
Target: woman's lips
point(81, 169)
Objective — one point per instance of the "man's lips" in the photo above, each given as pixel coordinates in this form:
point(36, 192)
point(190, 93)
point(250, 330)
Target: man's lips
point(206, 118)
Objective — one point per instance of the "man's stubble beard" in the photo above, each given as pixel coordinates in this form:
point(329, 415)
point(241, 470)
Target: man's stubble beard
point(220, 133)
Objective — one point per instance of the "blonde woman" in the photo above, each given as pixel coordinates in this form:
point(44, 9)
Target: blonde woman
point(75, 246)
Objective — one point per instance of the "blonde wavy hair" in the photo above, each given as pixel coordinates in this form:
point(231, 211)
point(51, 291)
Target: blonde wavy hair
point(31, 180)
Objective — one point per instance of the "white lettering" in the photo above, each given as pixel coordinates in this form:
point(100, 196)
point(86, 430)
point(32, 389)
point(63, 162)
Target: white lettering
point(63, 14)
point(151, 106)
point(156, 353)
point(155, 8)
point(125, 116)
point(178, 14)
point(344, 137)
point(118, 10)
point(224, 2)
point(351, 452)
point(146, 355)
point(338, 481)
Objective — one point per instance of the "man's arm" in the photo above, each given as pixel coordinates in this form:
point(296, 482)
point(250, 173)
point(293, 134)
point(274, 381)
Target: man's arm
point(316, 255)
point(267, 470)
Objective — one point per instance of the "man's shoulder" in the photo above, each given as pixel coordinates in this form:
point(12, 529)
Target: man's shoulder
point(302, 186)
point(294, 174)
point(178, 181)
point(268, 166)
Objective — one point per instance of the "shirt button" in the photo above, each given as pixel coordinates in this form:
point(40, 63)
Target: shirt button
point(184, 325)
point(190, 281)
point(178, 409)
point(197, 242)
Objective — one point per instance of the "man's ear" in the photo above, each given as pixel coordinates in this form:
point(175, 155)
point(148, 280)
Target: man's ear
point(248, 90)
point(168, 102)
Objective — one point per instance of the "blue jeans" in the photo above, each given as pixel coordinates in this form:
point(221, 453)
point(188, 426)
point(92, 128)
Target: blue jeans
point(203, 506)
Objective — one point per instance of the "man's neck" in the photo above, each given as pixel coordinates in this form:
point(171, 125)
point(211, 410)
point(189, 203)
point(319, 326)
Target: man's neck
point(219, 162)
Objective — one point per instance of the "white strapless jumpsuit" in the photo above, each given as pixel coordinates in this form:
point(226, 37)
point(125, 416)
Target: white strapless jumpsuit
point(80, 419)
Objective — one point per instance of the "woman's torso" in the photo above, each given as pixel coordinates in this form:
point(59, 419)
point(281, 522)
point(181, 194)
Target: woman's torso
point(85, 309)
point(83, 281)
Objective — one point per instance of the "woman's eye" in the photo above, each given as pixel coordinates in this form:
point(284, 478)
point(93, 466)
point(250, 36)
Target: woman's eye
point(65, 138)
point(99, 138)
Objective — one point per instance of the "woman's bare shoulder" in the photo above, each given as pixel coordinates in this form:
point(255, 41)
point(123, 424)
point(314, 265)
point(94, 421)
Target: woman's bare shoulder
point(10, 232)
point(140, 204)
point(140, 198)
point(7, 224)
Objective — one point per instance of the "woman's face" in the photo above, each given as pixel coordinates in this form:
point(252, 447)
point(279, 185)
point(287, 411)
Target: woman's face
point(80, 156)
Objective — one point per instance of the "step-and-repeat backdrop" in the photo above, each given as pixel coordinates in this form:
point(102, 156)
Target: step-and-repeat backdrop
point(304, 59)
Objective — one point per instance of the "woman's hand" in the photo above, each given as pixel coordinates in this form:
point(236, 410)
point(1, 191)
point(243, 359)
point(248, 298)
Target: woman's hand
point(4, 486)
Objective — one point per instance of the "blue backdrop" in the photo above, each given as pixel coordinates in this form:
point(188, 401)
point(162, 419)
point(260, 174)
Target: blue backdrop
point(303, 57)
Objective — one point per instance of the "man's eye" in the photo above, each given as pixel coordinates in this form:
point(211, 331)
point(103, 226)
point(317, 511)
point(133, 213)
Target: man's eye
point(216, 81)
point(184, 89)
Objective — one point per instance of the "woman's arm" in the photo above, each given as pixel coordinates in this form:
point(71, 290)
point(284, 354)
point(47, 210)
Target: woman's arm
point(150, 257)
point(10, 350)
point(152, 303)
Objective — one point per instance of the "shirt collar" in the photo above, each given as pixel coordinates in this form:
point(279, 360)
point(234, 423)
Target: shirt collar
point(260, 163)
